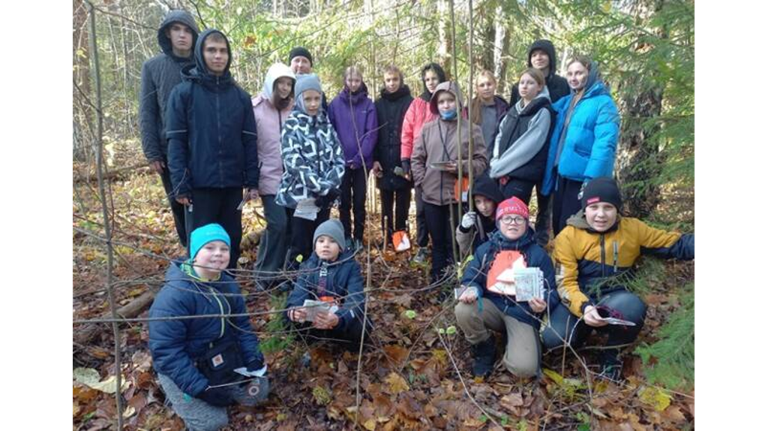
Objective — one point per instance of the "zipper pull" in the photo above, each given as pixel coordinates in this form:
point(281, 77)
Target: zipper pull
point(615, 256)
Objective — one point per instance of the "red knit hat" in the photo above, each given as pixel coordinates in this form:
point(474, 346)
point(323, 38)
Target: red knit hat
point(512, 205)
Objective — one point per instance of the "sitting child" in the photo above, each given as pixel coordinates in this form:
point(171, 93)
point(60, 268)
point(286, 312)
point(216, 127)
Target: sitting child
point(477, 226)
point(331, 275)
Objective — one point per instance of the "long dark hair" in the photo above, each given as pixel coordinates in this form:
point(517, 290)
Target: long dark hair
point(281, 104)
point(435, 68)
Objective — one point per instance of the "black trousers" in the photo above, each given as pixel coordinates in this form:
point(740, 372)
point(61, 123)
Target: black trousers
point(274, 241)
point(543, 217)
point(422, 234)
point(353, 188)
point(438, 219)
point(176, 208)
point(391, 199)
point(565, 203)
point(218, 206)
point(302, 231)
point(523, 190)
point(347, 336)
point(518, 188)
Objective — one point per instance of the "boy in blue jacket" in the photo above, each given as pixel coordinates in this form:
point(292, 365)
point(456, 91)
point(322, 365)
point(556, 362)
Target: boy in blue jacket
point(483, 305)
point(211, 131)
point(205, 364)
point(331, 275)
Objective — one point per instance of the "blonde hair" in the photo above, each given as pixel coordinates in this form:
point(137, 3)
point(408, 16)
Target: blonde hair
point(583, 59)
point(394, 70)
point(485, 73)
point(477, 116)
point(536, 75)
point(352, 70)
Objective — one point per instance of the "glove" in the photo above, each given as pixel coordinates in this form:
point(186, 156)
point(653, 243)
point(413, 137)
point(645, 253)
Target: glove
point(406, 166)
point(468, 220)
point(219, 397)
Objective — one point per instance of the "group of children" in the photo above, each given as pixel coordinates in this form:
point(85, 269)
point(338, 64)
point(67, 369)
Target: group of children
point(299, 154)
point(207, 363)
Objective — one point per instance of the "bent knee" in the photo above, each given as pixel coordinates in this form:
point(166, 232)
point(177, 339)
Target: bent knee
point(464, 311)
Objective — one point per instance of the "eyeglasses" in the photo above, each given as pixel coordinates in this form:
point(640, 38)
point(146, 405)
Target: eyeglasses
point(510, 219)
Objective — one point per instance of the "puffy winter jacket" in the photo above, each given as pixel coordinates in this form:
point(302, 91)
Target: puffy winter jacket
point(390, 111)
point(417, 115)
point(354, 118)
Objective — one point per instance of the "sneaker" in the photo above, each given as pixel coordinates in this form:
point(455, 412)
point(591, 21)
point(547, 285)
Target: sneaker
point(421, 256)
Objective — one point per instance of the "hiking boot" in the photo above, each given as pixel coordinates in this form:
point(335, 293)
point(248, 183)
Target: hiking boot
point(610, 365)
point(483, 357)
point(421, 256)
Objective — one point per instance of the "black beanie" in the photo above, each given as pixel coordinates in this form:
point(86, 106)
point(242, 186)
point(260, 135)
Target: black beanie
point(603, 189)
point(300, 51)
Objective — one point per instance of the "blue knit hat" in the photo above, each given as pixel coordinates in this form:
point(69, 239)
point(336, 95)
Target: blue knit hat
point(205, 234)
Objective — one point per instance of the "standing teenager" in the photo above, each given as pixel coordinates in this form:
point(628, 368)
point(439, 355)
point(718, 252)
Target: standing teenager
point(488, 108)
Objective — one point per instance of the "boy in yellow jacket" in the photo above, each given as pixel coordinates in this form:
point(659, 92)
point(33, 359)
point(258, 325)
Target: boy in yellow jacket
point(596, 247)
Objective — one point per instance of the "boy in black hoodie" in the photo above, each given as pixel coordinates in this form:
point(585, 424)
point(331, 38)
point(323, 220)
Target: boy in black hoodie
point(477, 226)
point(176, 37)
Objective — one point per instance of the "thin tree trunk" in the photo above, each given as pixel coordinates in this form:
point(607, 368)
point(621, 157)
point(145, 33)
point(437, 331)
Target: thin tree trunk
point(639, 159)
point(500, 48)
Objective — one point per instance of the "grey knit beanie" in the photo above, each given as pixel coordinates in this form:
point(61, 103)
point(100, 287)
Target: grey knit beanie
point(332, 228)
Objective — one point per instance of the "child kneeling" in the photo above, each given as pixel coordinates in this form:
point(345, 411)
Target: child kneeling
point(486, 304)
point(205, 364)
point(596, 254)
point(332, 276)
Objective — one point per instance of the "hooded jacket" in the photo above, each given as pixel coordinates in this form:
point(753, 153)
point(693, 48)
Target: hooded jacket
point(313, 162)
point(437, 143)
point(345, 284)
point(211, 130)
point(354, 118)
point(586, 149)
point(176, 344)
point(522, 144)
point(159, 75)
point(269, 125)
point(590, 263)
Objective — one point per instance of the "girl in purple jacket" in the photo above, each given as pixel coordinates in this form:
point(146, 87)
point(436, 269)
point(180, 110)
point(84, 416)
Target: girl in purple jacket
point(353, 115)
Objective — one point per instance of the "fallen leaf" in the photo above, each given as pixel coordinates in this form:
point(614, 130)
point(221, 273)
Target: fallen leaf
point(554, 376)
point(396, 353)
point(90, 377)
point(397, 383)
point(655, 397)
point(512, 400)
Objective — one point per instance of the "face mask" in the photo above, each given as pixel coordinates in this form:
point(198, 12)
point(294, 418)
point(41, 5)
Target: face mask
point(448, 116)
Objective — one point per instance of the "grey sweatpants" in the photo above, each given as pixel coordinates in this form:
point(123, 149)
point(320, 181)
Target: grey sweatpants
point(201, 416)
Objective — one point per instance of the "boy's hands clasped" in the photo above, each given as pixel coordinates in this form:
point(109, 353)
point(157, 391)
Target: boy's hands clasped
point(323, 320)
